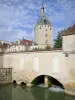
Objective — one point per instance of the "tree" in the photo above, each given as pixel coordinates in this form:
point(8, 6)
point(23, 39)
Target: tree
point(58, 40)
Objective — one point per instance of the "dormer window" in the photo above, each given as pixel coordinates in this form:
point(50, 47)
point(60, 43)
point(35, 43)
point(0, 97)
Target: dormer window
point(45, 22)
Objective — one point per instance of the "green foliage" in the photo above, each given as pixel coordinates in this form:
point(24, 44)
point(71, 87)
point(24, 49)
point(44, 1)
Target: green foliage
point(48, 47)
point(58, 40)
point(35, 48)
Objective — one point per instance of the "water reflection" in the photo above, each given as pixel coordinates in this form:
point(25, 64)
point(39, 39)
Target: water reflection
point(69, 97)
point(6, 92)
point(44, 94)
point(17, 92)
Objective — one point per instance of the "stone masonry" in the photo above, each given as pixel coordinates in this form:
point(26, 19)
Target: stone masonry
point(5, 75)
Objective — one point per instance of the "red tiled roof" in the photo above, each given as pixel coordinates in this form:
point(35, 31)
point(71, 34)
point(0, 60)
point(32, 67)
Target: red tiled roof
point(24, 42)
point(5, 45)
point(70, 30)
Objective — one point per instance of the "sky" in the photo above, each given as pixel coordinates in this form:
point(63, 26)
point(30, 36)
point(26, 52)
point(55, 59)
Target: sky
point(19, 17)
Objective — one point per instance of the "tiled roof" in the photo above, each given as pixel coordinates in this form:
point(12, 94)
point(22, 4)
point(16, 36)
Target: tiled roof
point(70, 30)
point(25, 42)
point(5, 45)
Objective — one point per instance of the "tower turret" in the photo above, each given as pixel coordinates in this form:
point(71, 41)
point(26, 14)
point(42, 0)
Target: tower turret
point(42, 10)
point(43, 30)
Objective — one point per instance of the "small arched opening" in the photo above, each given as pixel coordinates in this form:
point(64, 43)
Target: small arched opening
point(40, 80)
point(22, 83)
point(14, 82)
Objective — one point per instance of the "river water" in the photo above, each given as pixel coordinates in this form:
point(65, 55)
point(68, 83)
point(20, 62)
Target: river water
point(11, 92)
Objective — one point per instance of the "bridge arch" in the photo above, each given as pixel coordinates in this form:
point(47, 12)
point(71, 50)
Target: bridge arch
point(41, 80)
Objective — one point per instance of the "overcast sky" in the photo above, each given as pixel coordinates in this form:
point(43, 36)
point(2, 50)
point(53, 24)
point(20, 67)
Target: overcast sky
point(18, 17)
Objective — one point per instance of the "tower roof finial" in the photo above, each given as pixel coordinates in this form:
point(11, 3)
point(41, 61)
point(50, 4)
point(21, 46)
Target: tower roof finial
point(42, 8)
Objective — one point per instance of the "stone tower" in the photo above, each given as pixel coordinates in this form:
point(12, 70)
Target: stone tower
point(43, 31)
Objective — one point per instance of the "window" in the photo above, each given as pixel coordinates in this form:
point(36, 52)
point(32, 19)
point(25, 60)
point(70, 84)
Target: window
point(66, 54)
point(19, 48)
point(46, 29)
point(46, 41)
point(46, 35)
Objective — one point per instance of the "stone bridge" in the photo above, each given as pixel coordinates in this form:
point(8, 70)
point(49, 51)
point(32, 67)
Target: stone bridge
point(26, 66)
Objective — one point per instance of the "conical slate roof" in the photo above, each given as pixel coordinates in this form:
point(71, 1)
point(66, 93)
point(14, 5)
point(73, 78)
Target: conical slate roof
point(43, 20)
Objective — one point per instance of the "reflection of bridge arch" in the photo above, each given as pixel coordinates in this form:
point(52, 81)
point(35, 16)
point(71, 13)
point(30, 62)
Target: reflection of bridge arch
point(41, 80)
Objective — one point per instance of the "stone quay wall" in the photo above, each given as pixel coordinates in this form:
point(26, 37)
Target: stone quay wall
point(5, 75)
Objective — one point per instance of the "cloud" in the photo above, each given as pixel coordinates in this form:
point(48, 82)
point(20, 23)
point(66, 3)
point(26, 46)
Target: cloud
point(18, 17)
point(17, 34)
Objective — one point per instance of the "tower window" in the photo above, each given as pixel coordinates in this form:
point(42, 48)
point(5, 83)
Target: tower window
point(46, 29)
point(66, 54)
point(46, 35)
point(46, 41)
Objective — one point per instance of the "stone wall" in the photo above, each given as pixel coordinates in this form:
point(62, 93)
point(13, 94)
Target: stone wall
point(5, 75)
point(26, 66)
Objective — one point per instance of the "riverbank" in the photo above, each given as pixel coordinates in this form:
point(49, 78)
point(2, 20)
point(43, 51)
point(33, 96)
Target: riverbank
point(70, 92)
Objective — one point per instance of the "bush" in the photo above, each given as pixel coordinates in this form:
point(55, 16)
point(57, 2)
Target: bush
point(48, 47)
